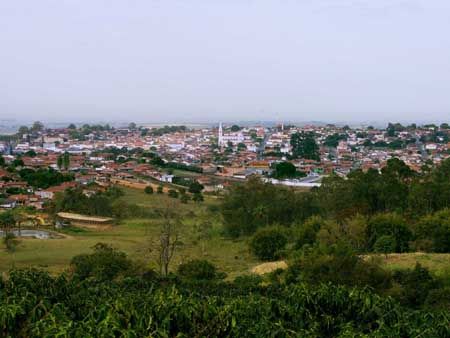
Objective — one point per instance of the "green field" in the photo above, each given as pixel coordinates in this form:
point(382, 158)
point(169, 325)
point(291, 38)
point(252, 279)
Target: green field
point(136, 238)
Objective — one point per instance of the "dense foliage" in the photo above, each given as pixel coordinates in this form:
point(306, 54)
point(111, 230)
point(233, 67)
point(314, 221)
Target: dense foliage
point(34, 304)
point(304, 146)
point(44, 178)
point(267, 243)
point(392, 210)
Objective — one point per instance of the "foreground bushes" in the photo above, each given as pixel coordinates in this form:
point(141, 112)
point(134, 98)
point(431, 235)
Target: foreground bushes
point(34, 304)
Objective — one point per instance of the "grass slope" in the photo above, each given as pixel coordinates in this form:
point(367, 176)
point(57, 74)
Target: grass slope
point(135, 237)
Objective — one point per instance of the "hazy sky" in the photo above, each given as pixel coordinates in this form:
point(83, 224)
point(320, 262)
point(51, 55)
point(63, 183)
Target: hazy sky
point(192, 60)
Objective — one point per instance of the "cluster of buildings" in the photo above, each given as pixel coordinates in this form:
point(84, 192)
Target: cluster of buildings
point(215, 156)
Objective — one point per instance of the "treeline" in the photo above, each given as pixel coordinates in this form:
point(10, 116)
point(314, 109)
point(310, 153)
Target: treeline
point(163, 130)
point(106, 295)
point(395, 210)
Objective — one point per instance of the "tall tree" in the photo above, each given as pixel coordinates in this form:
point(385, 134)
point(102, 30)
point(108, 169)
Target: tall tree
point(304, 146)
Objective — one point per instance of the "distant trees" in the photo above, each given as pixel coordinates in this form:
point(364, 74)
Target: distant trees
point(304, 146)
point(256, 204)
point(63, 161)
point(284, 170)
point(98, 204)
point(44, 178)
point(333, 140)
point(37, 126)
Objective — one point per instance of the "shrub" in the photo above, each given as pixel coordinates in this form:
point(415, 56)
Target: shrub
point(385, 244)
point(248, 282)
point(105, 263)
point(267, 243)
point(148, 189)
point(160, 190)
point(416, 284)
point(173, 193)
point(195, 187)
point(197, 269)
point(198, 197)
point(306, 233)
point(10, 241)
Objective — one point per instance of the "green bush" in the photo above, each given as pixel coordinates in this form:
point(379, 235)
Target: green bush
point(105, 263)
point(197, 197)
point(197, 269)
point(385, 244)
point(148, 189)
point(268, 242)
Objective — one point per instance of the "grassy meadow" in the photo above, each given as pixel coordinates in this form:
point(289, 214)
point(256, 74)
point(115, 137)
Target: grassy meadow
point(136, 237)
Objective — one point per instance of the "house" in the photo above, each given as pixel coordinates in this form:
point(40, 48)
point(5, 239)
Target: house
point(7, 204)
point(50, 192)
point(166, 178)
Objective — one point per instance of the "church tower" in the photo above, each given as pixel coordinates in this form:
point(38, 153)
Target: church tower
point(220, 136)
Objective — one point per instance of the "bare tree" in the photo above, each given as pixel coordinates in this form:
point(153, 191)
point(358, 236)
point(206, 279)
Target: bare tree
point(169, 239)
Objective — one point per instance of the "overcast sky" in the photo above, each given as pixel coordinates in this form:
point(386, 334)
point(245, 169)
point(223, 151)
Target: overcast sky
point(209, 60)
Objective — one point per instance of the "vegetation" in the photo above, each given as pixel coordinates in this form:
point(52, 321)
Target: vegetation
point(304, 146)
point(196, 302)
point(267, 243)
point(284, 170)
point(44, 178)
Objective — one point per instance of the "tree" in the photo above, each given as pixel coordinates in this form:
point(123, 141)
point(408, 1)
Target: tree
point(2, 161)
point(72, 126)
point(132, 126)
point(385, 244)
point(389, 225)
point(148, 190)
point(267, 243)
point(105, 263)
point(23, 130)
point(435, 227)
point(37, 126)
point(241, 146)
point(66, 160)
point(7, 220)
point(304, 146)
point(306, 233)
point(203, 232)
point(169, 239)
point(198, 197)
point(10, 241)
point(235, 128)
point(285, 170)
point(195, 187)
point(160, 189)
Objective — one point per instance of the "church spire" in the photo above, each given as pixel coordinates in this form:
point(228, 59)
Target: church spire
point(220, 134)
